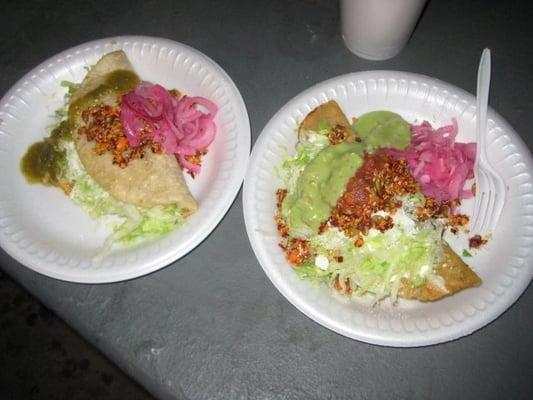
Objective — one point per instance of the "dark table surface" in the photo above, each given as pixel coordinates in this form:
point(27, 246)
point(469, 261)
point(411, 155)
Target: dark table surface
point(212, 325)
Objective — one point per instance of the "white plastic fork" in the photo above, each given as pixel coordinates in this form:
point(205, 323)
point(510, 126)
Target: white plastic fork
point(490, 188)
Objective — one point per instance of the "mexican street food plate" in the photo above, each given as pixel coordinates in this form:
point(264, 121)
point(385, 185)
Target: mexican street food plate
point(387, 269)
point(119, 156)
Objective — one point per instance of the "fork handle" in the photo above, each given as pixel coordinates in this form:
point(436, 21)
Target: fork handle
point(483, 85)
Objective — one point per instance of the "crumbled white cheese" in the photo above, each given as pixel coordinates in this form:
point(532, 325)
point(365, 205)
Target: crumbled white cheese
point(438, 282)
point(405, 222)
point(380, 213)
point(322, 262)
point(312, 137)
point(424, 270)
point(372, 232)
point(332, 239)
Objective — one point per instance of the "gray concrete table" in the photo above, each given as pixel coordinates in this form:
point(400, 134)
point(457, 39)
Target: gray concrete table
point(212, 326)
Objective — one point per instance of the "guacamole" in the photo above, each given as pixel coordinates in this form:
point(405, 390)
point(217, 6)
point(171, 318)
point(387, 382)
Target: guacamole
point(383, 129)
point(319, 187)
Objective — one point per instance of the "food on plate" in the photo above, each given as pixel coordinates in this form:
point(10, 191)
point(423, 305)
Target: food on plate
point(365, 205)
point(476, 241)
point(327, 115)
point(121, 147)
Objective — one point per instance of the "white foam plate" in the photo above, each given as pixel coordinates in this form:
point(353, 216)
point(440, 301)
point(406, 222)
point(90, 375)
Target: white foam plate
point(42, 229)
point(505, 264)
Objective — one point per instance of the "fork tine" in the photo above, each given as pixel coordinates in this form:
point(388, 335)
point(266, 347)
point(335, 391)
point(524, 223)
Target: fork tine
point(492, 202)
point(488, 211)
point(477, 201)
point(491, 217)
point(499, 202)
point(482, 213)
point(480, 199)
point(475, 217)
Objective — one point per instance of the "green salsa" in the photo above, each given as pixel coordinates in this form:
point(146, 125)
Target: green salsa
point(319, 187)
point(44, 160)
point(116, 83)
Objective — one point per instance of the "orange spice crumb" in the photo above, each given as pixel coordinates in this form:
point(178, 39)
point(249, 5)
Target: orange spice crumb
point(103, 126)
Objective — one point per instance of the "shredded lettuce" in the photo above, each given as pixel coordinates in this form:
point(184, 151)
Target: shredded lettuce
point(312, 273)
point(155, 221)
point(409, 250)
point(384, 259)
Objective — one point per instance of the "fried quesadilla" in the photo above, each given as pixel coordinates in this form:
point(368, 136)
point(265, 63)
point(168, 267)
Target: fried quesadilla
point(119, 147)
point(155, 179)
point(353, 215)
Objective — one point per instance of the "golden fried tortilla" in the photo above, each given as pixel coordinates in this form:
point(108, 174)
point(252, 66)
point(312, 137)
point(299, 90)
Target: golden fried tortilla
point(329, 114)
point(109, 63)
point(455, 274)
point(156, 179)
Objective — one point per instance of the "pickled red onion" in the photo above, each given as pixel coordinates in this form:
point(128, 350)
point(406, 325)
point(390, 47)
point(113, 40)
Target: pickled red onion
point(182, 127)
point(440, 164)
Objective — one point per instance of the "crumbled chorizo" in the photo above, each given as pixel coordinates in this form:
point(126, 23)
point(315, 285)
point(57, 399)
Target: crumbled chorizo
point(104, 127)
point(476, 241)
point(375, 187)
point(297, 251)
point(338, 134)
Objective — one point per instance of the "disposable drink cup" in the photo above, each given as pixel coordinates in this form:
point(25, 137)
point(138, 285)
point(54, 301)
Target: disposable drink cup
point(378, 29)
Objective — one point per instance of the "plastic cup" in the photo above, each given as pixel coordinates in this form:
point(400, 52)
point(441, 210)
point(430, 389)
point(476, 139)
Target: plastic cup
point(378, 29)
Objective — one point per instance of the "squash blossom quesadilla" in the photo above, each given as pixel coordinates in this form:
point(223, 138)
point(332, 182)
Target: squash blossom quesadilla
point(121, 147)
point(364, 205)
